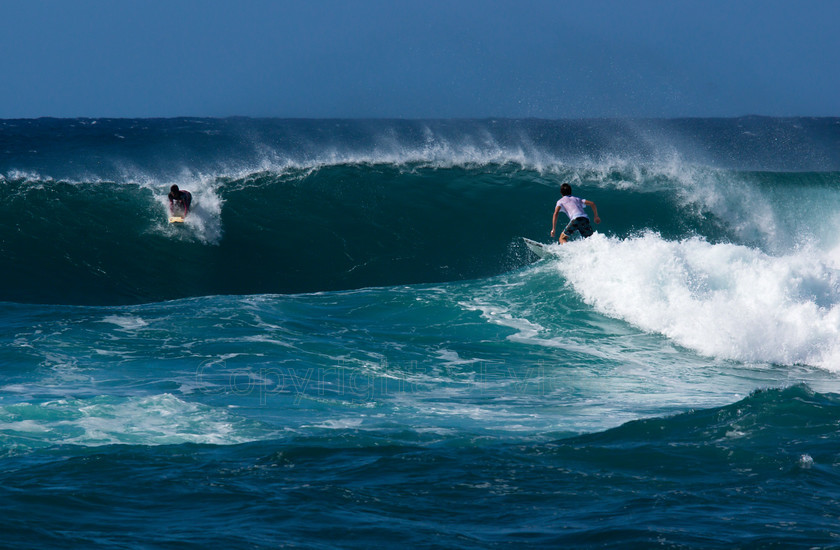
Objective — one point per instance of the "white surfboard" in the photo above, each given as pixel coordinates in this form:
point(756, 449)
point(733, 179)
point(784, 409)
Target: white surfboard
point(539, 249)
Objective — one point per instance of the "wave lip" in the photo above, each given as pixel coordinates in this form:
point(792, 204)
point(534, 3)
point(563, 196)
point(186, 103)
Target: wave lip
point(74, 149)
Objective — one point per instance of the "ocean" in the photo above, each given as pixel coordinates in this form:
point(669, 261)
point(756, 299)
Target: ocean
point(348, 345)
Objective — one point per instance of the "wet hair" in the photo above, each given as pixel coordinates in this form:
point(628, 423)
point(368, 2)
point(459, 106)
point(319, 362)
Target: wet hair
point(174, 191)
point(565, 189)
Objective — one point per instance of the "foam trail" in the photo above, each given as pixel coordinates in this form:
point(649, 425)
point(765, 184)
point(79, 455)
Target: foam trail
point(722, 300)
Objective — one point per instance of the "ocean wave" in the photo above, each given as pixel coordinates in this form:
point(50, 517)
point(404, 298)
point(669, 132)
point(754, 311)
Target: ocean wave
point(722, 300)
point(304, 206)
point(361, 225)
point(162, 148)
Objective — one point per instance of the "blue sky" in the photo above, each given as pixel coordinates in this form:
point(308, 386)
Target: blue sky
point(419, 59)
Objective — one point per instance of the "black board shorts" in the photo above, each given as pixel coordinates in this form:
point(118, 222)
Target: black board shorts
point(578, 224)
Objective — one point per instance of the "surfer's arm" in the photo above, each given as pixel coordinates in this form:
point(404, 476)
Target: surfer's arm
point(594, 210)
point(554, 221)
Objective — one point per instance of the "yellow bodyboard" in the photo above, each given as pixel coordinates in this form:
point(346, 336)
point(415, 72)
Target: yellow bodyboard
point(176, 219)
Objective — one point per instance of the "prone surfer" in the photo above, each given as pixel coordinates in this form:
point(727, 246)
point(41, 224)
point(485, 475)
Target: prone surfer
point(181, 198)
point(574, 208)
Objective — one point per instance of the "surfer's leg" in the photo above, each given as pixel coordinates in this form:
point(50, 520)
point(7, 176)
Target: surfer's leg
point(568, 232)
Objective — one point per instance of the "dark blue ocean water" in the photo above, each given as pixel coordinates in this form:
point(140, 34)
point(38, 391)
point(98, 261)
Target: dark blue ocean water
point(347, 344)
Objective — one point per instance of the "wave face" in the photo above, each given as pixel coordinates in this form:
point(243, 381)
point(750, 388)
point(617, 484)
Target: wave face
point(347, 343)
point(304, 206)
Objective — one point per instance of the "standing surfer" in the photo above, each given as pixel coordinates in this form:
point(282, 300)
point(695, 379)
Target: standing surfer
point(574, 208)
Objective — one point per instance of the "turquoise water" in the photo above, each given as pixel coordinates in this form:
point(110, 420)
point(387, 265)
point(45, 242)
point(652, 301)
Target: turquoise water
point(348, 345)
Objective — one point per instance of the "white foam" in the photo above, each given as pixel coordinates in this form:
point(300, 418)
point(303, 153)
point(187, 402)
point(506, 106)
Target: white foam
point(449, 358)
point(126, 322)
point(22, 426)
point(339, 424)
point(723, 300)
point(151, 420)
point(204, 221)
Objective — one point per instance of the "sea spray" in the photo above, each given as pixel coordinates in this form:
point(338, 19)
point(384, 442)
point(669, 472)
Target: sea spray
point(722, 300)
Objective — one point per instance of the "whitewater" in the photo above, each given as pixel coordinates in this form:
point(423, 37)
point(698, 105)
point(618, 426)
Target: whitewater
point(348, 344)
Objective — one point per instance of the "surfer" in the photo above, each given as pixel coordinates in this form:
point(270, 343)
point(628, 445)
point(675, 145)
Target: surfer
point(574, 208)
point(181, 198)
